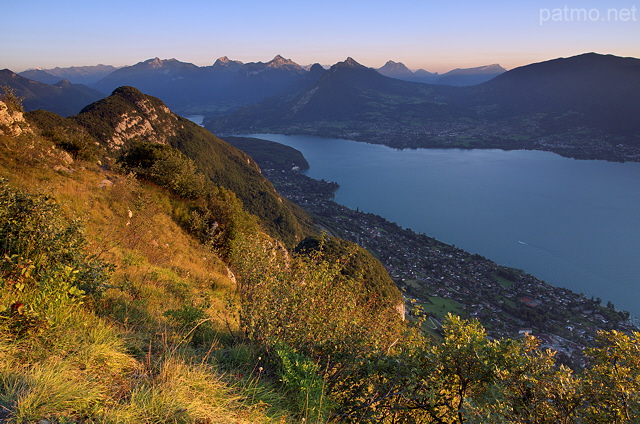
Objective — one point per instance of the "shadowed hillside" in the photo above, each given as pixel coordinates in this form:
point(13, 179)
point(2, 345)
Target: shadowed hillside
point(61, 97)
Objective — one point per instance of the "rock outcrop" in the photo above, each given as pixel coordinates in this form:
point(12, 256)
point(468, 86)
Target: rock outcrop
point(12, 121)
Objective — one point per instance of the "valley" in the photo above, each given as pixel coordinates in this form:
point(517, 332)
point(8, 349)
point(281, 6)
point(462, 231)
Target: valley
point(437, 278)
point(203, 293)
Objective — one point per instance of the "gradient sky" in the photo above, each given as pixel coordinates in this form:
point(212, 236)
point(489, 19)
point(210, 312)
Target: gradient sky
point(434, 35)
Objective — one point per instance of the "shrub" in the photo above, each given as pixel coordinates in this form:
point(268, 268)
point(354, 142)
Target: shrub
point(304, 384)
point(11, 99)
point(36, 238)
point(166, 167)
point(357, 264)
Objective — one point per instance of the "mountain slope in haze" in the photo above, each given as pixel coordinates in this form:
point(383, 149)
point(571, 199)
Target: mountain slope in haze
point(147, 76)
point(76, 74)
point(584, 107)
point(40, 75)
point(399, 70)
point(62, 98)
point(470, 76)
point(347, 94)
point(456, 77)
point(593, 90)
point(128, 116)
point(222, 87)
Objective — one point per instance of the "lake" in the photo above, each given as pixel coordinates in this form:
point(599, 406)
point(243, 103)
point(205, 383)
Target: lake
point(570, 222)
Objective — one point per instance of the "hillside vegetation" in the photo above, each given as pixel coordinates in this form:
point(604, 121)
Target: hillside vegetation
point(136, 289)
point(128, 116)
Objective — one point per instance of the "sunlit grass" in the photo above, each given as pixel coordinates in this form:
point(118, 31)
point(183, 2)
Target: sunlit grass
point(178, 392)
point(441, 307)
point(119, 357)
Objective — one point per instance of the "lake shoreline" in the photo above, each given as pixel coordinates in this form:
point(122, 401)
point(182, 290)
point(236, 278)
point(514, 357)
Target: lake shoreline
point(580, 146)
point(437, 278)
point(546, 254)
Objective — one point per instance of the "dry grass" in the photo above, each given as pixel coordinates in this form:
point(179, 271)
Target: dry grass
point(120, 358)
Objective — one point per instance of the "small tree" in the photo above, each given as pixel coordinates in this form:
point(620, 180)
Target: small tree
point(613, 378)
point(11, 99)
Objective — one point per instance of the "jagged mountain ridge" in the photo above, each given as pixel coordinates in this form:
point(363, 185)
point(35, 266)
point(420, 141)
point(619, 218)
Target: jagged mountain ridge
point(348, 91)
point(222, 87)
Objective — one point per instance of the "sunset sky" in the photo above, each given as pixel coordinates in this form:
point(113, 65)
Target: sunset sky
point(434, 35)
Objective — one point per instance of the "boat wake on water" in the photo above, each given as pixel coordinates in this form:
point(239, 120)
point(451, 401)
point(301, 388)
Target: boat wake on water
point(557, 265)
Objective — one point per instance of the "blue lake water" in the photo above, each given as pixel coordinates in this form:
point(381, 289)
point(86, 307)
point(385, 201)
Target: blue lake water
point(198, 119)
point(572, 223)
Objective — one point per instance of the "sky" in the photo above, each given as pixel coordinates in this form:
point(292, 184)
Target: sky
point(434, 35)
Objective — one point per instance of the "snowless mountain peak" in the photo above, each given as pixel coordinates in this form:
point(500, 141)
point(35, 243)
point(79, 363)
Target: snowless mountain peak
point(351, 62)
point(280, 62)
point(225, 61)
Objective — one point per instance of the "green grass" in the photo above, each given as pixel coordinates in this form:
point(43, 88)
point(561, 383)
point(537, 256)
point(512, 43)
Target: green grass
point(416, 284)
point(441, 307)
point(503, 281)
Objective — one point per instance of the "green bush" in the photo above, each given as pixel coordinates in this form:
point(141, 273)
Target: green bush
point(166, 167)
point(357, 264)
point(303, 300)
point(304, 384)
point(36, 238)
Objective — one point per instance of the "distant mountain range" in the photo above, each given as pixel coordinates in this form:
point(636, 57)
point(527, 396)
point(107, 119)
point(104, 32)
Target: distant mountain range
point(583, 106)
point(74, 74)
point(226, 85)
point(220, 88)
point(348, 91)
point(458, 76)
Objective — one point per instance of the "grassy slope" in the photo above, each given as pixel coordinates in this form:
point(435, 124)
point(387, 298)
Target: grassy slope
point(223, 164)
point(121, 357)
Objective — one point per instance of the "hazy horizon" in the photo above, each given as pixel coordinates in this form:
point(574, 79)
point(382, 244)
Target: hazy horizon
point(433, 36)
point(326, 65)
